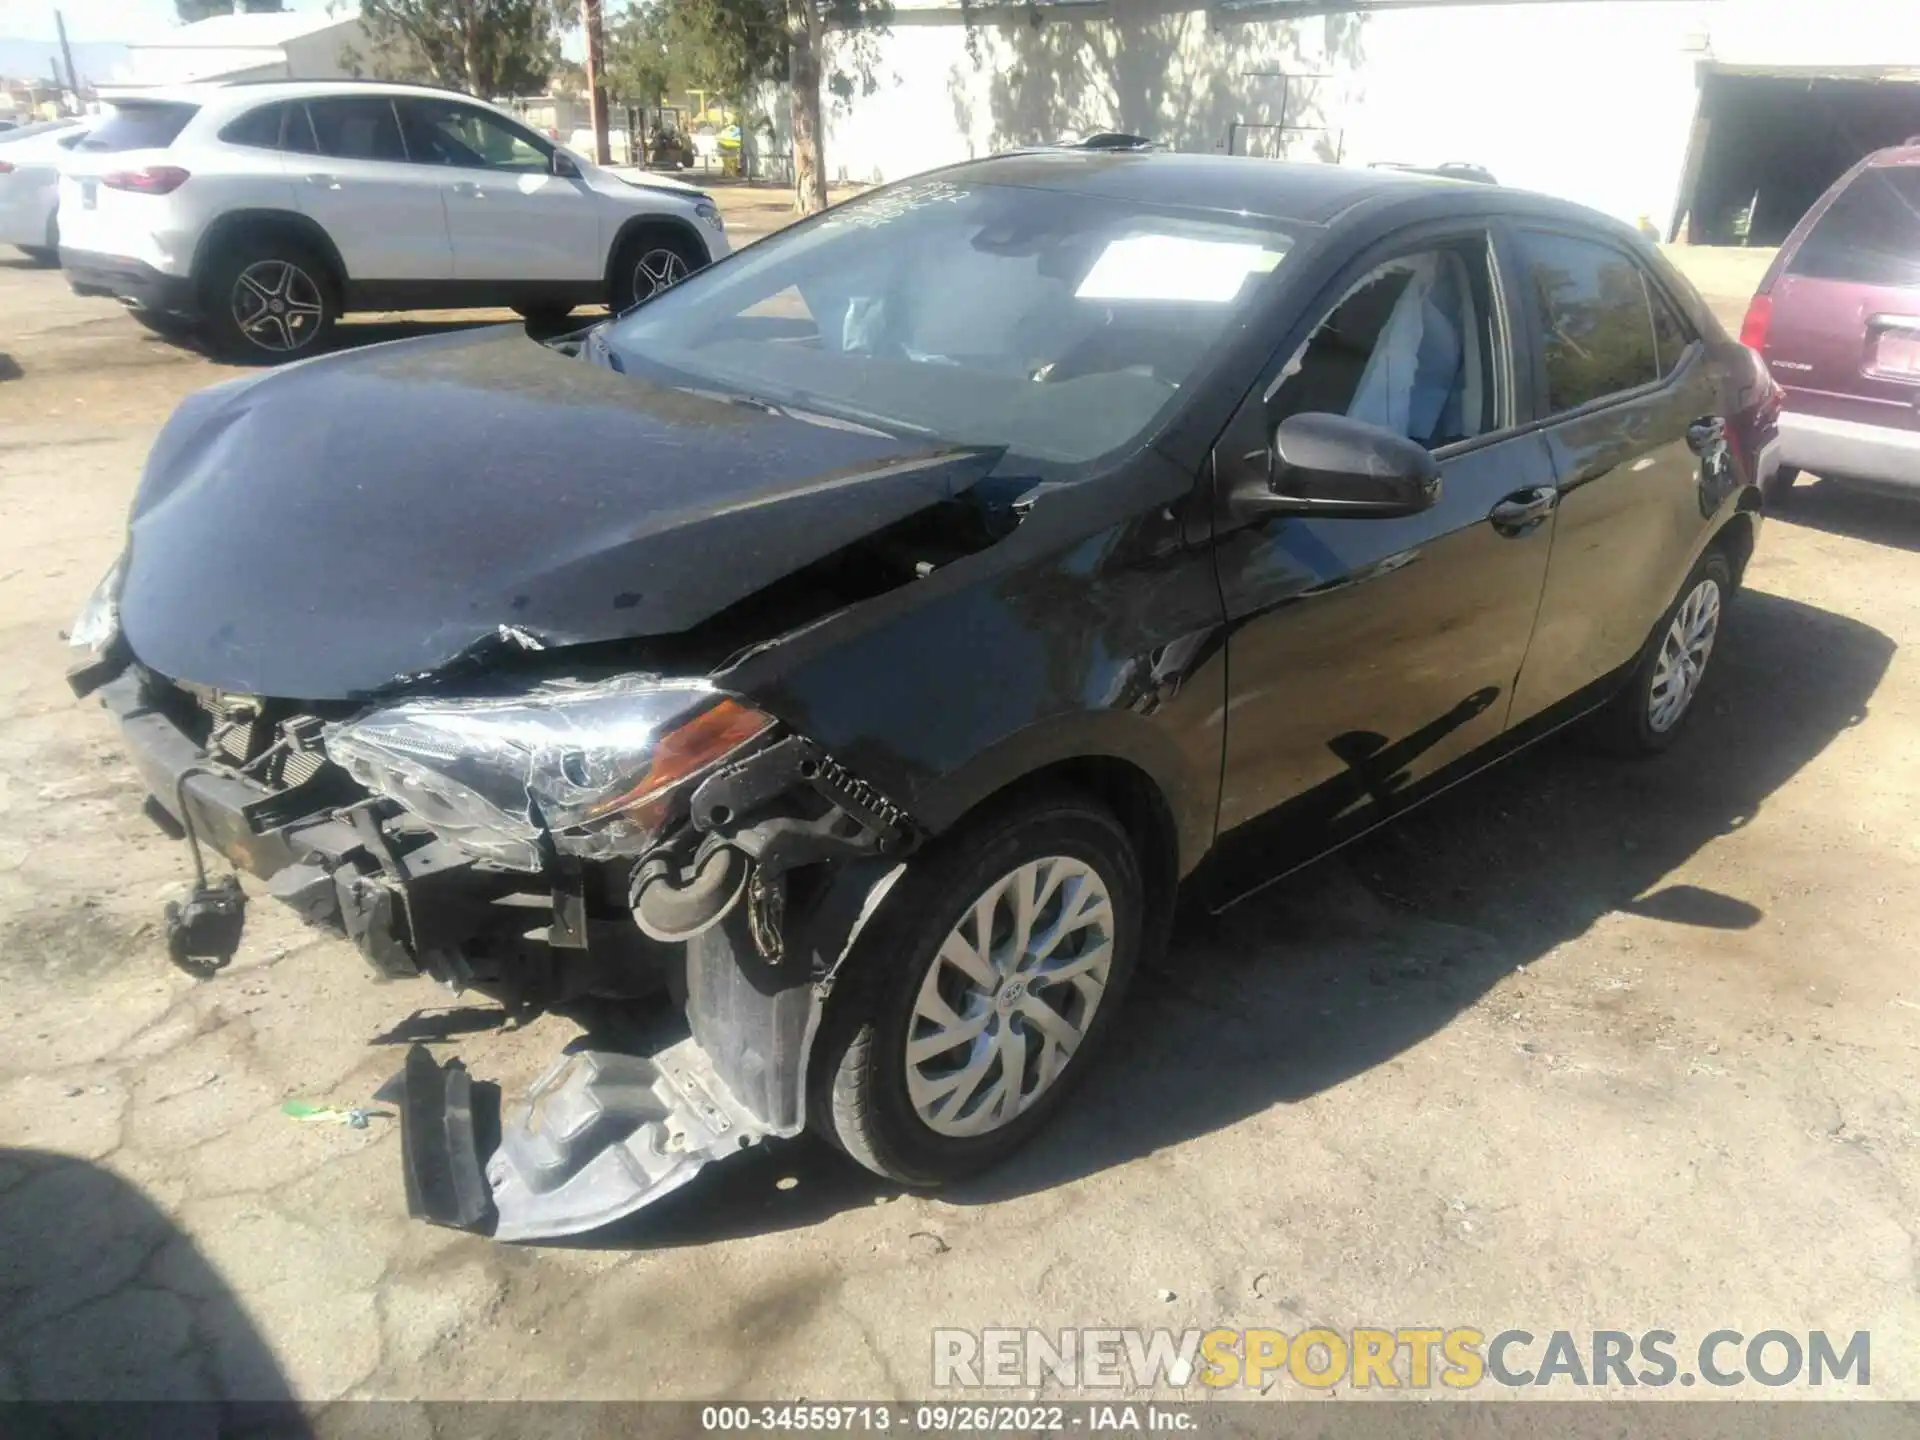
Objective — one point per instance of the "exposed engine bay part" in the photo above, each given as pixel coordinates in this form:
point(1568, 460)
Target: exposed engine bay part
point(673, 905)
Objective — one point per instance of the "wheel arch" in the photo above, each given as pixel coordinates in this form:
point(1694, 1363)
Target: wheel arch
point(638, 225)
point(1736, 538)
point(240, 224)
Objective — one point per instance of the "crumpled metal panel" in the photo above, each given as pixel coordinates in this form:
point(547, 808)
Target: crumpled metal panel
point(601, 1135)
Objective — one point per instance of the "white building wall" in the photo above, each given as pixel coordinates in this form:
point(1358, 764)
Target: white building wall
point(319, 56)
point(1592, 100)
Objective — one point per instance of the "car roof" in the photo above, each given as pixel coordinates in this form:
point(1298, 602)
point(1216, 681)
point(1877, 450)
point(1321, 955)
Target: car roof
point(239, 95)
point(1297, 194)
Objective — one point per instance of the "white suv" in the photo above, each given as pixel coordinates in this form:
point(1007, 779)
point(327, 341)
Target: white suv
point(259, 213)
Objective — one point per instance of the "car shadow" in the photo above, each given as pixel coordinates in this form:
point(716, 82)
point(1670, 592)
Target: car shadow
point(110, 1308)
point(1880, 517)
point(1351, 962)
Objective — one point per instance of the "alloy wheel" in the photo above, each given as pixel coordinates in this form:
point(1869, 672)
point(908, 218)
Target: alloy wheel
point(1008, 997)
point(658, 270)
point(277, 306)
point(1683, 656)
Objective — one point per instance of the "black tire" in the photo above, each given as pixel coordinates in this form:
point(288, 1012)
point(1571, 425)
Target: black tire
point(859, 1093)
point(263, 265)
point(1777, 493)
point(1626, 725)
point(40, 255)
point(661, 254)
point(544, 315)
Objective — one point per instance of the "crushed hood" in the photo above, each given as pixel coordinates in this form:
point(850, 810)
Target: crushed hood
point(326, 529)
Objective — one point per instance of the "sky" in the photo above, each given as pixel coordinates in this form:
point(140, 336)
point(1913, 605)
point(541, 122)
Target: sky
point(96, 20)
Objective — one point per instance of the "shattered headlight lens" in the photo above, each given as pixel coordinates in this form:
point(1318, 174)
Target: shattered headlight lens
point(593, 765)
point(98, 623)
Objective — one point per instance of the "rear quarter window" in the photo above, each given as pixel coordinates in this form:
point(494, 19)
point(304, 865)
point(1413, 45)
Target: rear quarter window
point(1870, 234)
point(140, 125)
point(259, 128)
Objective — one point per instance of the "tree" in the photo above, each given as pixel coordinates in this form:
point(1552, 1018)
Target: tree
point(485, 47)
point(192, 10)
point(735, 46)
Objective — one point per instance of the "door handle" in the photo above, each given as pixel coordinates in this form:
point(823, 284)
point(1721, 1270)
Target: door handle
point(1523, 511)
point(468, 190)
point(1708, 433)
point(325, 182)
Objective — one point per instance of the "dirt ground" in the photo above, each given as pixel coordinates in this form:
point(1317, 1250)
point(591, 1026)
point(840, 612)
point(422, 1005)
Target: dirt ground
point(1585, 1044)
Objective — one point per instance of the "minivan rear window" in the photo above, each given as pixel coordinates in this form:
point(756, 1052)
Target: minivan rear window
point(140, 125)
point(1870, 234)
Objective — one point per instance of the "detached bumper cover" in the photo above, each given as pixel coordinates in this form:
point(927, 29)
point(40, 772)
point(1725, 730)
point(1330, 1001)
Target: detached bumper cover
point(1849, 450)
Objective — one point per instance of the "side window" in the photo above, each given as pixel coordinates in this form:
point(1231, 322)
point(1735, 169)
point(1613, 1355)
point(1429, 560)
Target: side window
point(1671, 332)
point(1594, 318)
point(444, 133)
point(1411, 346)
point(259, 128)
point(357, 128)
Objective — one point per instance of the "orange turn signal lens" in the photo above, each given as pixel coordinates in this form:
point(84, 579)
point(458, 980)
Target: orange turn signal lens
point(705, 740)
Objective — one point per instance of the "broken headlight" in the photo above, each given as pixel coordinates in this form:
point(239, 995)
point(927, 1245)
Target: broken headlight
point(98, 623)
point(595, 766)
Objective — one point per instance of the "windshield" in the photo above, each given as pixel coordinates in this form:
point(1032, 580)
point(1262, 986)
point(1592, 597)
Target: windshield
point(1057, 325)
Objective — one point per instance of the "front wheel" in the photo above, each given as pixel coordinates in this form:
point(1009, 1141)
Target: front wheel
point(993, 976)
point(648, 263)
point(1646, 716)
point(267, 302)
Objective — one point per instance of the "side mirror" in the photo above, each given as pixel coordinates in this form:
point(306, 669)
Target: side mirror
point(564, 167)
point(1322, 464)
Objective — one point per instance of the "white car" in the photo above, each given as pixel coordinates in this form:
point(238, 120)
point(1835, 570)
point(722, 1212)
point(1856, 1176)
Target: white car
point(259, 213)
point(30, 161)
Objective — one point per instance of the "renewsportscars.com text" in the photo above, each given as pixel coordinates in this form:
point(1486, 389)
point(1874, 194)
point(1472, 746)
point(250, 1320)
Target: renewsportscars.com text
point(1408, 1357)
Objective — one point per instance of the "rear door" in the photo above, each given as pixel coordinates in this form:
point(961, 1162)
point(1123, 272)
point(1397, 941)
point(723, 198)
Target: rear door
point(105, 206)
point(1628, 391)
point(508, 215)
point(1844, 339)
point(350, 172)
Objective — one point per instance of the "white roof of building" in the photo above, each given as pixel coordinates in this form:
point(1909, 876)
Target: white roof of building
point(245, 32)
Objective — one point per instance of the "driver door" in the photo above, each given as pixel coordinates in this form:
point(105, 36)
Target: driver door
point(1367, 655)
point(509, 216)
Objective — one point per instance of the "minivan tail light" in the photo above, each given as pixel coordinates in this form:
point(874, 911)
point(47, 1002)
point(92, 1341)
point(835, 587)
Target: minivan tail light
point(154, 180)
point(1753, 331)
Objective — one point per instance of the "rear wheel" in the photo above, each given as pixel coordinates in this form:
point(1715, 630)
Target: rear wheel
point(651, 261)
point(41, 255)
point(1646, 716)
point(988, 983)
point(268, 301)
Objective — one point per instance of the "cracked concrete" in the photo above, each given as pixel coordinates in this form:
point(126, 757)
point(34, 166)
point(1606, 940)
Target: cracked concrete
point(1581, 1045)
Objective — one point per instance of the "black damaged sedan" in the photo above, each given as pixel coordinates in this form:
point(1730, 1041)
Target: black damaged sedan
point(869, 639)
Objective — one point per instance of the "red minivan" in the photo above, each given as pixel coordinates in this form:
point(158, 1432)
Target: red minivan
point(1838, 319)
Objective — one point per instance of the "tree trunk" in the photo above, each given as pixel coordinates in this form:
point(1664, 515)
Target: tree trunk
point(597, 81)
point(470, 58)
point(803, 85)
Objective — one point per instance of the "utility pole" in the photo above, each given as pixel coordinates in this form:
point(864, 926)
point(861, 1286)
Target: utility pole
point(596, 80)
point(66, 51)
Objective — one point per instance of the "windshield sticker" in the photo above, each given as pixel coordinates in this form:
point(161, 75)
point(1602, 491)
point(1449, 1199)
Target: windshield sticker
point(871, 213)
point(1175, 267)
